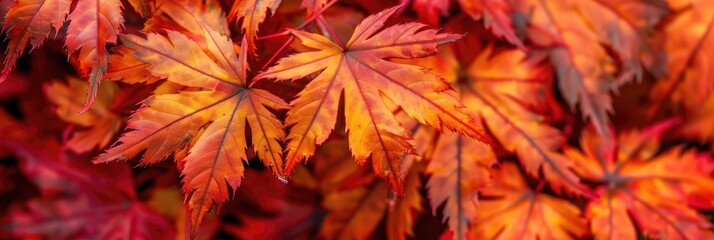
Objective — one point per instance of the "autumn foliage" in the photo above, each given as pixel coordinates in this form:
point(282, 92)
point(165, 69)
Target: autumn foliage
point(357, 119)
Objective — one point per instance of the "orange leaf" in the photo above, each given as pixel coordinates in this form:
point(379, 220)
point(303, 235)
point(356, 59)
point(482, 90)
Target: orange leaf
point(502, 87)
point(359, 69)
point(512, 210)
point(186, 16)
point(253, 13)
point(496, 17)
point(31, 21)
point(216, 116)
point(458, 169)
point(355, 200)
point(100, 121)
point(123, 66)
point(593, 47)
point(93, 24)
point(402, 214)
point(660, 194)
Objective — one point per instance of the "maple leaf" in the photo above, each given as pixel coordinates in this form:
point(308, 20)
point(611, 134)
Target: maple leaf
point(593, 47)
point(658, 193)
point(403, 212)
point(359, 69)
point(688, 45)
point(93, 24)
point(253, 12)
point(355, 201)
point(495, 14)
point(75, 197)
point(510, 209)
point(699, 124)
point(30, 21)
point(123, 66)
point(184, 16)
point(688, 86)
point(216, 115)
point(503, 89)
point(187, 16)
point(430, 11)
point(275, 210)
point(78, 217)
point(143, 7)
point(458, 168)
point(100, 121)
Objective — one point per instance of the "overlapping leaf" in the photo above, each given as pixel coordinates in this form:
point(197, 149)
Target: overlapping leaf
point(495, 14)
point(510, 209)
point(459, 169)
point(496, 17)
point(253, 12)
point(403, 213)
point(660, 194)
point(689, 44)
point(75, 197)
point(93, 25)
point(593, 47)
point(100, 121)
point(31, 21)
point(184, 16)
point(355, 200)
point(503, 90)
point(359, 69)
point(210, 122)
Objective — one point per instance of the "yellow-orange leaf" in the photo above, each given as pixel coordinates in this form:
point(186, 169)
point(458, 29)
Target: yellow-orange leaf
point(512, 210)
point(186, 16)
point(216, 116)
point(123, 66)
point(100, 121)
point(660, 194)
point(500, 90)
point(359, 69)
point(253, 12)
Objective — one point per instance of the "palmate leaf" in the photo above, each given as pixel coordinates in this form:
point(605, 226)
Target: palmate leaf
point(458, 169)
point(216, 116)
point(100, 122)
point(402, 215)
point(503, 90)
point(74, 195)
point(660, 194)
point(185, 16)
point(359, 69)
point(593, 47)
point(92, 25)
point(495, 14)
point(508, 90)
point(253, 12)
point(689, 85)
point(355, 201)
point(30, 21)
point(510, 209)
point(689, 46)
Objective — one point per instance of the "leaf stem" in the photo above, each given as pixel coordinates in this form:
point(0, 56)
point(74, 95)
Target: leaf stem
point(329, 29)
point(301, 26)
